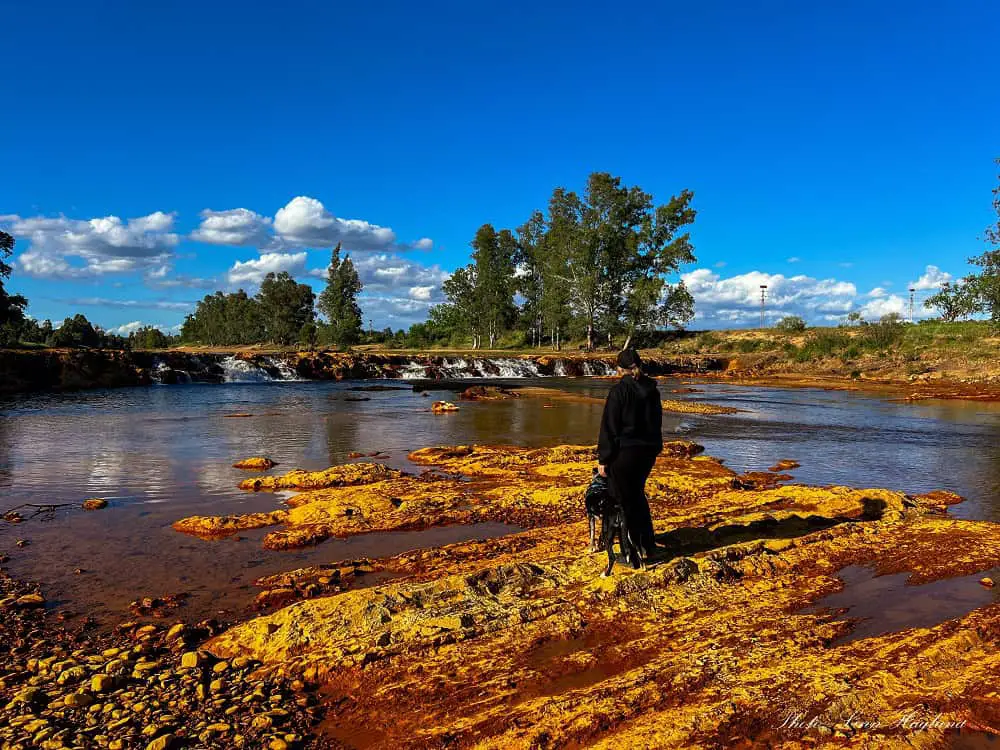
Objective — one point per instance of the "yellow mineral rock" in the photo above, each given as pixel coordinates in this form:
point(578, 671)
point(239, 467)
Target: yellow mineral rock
point(697, 407)
point(440, 407)
point(256, 463)
point(335, 476)
point(516, 642)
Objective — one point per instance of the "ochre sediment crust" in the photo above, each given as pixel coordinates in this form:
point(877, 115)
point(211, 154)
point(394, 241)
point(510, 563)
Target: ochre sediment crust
point(518, 642)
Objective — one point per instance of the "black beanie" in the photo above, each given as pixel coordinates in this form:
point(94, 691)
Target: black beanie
point(629, 358)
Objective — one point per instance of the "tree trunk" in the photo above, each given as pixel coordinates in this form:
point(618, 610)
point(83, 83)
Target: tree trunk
point(590, 336)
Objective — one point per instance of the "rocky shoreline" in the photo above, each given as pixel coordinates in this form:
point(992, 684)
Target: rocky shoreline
point(517, 641)
point(141, 686)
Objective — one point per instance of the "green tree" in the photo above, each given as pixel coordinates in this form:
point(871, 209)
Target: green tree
point(613, 251)
point(569, 285)
point(148, 337)
point(285, 306)
point(76, 331)
point(529, 277)
point(225, 319)
point(462, 314)
point(493, 257)
point(953, 301)
point(662, 249)
point(339, 302)
point(791, 324)
point(11, 305)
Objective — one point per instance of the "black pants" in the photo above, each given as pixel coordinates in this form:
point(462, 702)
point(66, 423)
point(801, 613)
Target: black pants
point(627, 476)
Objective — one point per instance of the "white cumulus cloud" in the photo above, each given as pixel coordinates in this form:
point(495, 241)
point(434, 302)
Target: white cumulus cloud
point(236, 226)
point(126, 328)
point(63, 248)
point(737, 298)
point(932, 278)
point(880, 306)
point(397, 291)
point(306, 222)
point(252, 272)
point(421, 292)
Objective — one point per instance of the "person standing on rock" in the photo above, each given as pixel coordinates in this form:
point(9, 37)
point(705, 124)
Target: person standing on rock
point(631, 438)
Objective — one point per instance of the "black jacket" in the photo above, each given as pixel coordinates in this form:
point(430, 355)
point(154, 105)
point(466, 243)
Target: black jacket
point(633, 418)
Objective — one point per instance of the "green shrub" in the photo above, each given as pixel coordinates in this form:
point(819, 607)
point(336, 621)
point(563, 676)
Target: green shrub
point(823, 344)
point(707, 341)
point(884, 334)
point(791, 324)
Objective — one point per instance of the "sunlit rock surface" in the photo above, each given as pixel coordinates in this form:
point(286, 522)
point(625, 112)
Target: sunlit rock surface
point(517, 641)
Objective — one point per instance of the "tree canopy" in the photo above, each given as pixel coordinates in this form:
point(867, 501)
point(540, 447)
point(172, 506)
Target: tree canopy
point(338, 302)
point(11, 305)
point(596, 262)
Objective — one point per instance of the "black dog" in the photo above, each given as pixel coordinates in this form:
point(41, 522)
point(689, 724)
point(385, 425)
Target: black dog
point(600, 504)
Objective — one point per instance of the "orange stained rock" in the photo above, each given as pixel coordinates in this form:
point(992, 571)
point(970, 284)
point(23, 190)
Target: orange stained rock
point(256, 463)
point(335, 476)
point(516, 642)
point(531, 648)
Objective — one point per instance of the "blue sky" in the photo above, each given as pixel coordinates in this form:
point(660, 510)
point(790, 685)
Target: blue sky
point(839, 151)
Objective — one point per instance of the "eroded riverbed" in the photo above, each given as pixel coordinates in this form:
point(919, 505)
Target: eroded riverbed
point(771, 586)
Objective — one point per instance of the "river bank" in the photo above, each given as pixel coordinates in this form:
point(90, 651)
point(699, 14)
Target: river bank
point(516, 640)
point(82, 369)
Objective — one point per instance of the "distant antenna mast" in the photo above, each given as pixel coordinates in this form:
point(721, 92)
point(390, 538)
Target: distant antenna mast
point(763, 297)
point(912, 290)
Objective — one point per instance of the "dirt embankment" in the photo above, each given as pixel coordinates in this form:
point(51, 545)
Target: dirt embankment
point(926, 360)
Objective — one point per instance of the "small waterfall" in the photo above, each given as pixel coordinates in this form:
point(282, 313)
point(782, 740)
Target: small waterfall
point(237, 370)
point(596, 368)
point(460, 368)
point(413, 371)
point(283, 369)
point(163, 374)
point(517, 368)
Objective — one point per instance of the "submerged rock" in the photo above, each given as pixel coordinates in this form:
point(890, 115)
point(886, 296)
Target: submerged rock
point(95, 503)
point(487, 393)
point(784, 464)
point(256, 463)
